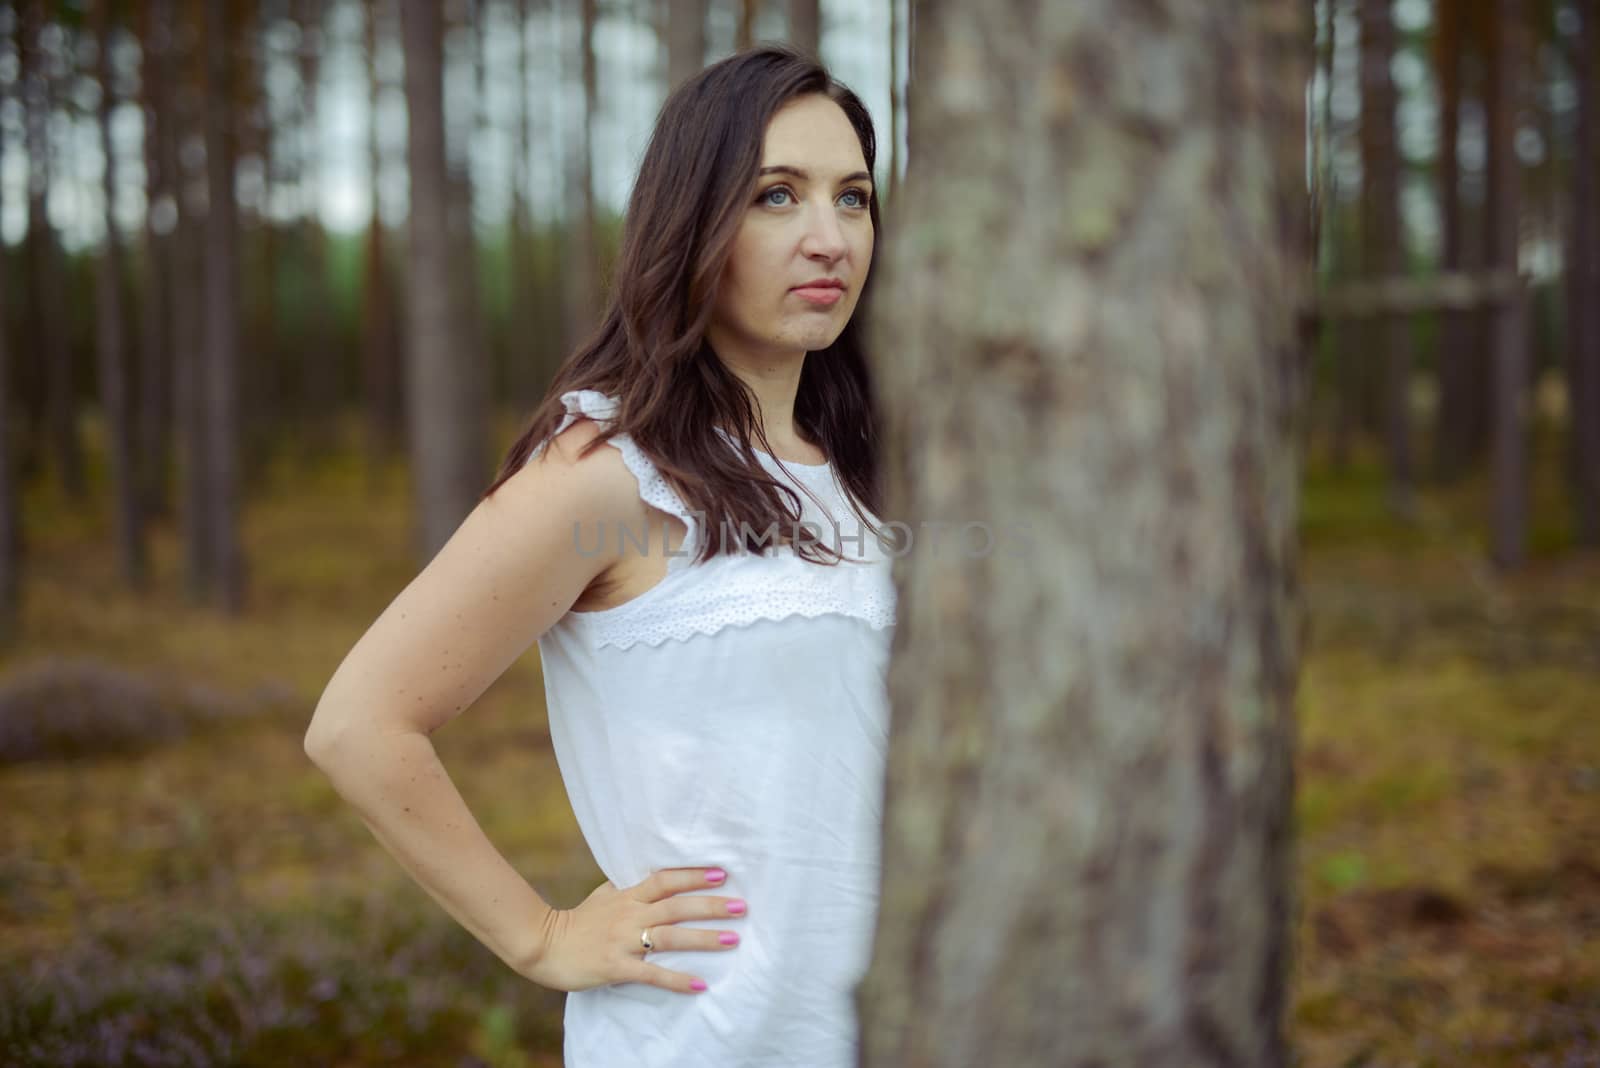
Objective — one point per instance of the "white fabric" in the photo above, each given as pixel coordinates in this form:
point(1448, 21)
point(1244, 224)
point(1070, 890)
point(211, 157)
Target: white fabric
point(735, 714)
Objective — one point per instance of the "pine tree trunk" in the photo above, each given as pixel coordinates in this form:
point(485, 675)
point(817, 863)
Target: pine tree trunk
point(1087, 829)
point(445, 433)
point(48, 310)
point(156, 333)
point(1449, 447)
point(1382, 240)
point(321, 355)
point(582, 269)
point(805, 26)
point(380, 355)
point(744, 32)
point(111, 332)
point(1508, 522)
point(1583, 306)
point(524, 382)
point(686, 40)
point(220, 400)
point(187, 278)
point(895, 101)
point(10, 498)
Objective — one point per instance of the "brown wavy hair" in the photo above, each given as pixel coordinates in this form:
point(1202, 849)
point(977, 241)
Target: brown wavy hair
point(696, 181)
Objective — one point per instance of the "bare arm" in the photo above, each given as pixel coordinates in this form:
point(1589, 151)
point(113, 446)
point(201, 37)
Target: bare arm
point(507, 574)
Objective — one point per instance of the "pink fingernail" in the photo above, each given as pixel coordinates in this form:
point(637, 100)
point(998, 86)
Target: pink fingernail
point(697, 984)
point(716, 875)
point(736, 906)
point(728, 938)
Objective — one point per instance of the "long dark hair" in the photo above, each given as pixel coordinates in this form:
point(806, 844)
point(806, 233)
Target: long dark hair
point(695, 183)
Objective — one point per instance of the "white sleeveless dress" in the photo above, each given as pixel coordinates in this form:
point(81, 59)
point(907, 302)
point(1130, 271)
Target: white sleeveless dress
point(735, 714)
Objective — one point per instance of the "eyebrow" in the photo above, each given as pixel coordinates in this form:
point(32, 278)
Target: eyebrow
point(853, 176)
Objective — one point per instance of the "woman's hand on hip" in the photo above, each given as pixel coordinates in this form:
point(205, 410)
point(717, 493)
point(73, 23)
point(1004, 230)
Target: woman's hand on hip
point(599, 942)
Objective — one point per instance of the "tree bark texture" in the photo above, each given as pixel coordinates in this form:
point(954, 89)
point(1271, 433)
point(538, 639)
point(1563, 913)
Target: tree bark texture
point(1088, 345)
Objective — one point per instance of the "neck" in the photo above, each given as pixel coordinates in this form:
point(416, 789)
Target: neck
point(775, 381)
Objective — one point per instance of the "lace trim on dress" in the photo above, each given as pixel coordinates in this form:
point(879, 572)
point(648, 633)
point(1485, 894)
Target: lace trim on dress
point(757, 594)
point(653, 488)
point(733, 590)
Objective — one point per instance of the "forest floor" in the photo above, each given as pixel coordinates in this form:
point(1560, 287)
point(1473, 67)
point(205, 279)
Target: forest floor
point(208, 892)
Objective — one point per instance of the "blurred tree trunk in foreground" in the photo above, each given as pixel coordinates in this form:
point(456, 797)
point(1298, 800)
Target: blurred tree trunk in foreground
point(1087, 850)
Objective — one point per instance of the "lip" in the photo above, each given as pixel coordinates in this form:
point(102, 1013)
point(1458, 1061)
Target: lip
point(821, 295)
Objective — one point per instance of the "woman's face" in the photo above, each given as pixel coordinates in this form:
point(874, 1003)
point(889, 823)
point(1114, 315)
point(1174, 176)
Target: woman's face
point(808, 220)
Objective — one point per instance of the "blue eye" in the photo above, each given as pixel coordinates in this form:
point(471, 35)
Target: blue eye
point(863, 199)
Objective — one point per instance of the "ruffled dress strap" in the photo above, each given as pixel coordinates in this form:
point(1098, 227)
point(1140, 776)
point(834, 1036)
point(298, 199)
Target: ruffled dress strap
point(654, 490)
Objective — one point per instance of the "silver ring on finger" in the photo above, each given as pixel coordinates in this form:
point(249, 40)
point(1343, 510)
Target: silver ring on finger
point(644, 940)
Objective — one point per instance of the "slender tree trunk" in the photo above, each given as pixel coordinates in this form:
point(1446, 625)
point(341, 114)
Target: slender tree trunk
point(805, 25)
point(686, 40)
point(583, 262)
point(1448, 445)
point(321, 358)
point(523, 372)
point(1583, 305)
point(221, 397)
point(1087, 829)
point(446, 439)
point(1382, 240)
point(187, 279)
point(1345, 354)
point(744, 35)
point(380, 335)
point(1480, 252)
point(256, 247)
point(10, 498)
point(45, 267)
point(111, 332)
point(895, 102)
point(479, 330)
point(1508, 523)
point(156, 333)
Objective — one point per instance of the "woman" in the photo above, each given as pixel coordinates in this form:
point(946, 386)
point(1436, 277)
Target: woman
point(711, 602)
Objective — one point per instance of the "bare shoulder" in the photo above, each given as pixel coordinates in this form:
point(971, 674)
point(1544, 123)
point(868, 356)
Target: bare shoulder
point(592, 486)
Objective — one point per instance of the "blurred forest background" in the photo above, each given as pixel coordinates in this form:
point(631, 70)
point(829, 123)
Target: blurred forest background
point(238, 236)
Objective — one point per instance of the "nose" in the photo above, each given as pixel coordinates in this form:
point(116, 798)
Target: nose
point(824, 238)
